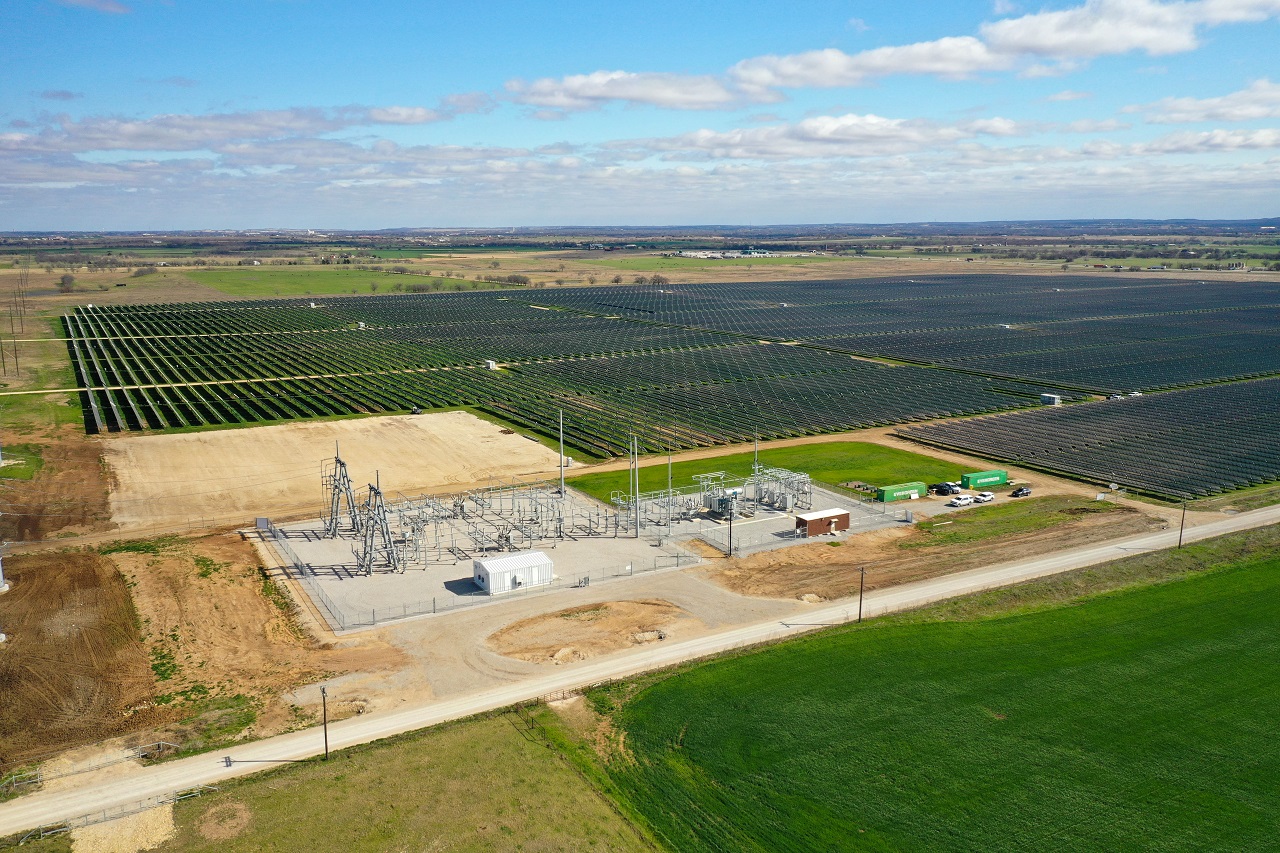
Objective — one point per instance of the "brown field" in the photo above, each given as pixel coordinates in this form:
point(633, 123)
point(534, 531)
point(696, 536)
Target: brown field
point(78, 667)
point(75, 669)
point(232, 476)
point(578, 633)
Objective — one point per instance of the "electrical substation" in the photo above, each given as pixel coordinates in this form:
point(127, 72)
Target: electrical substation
point(372, 557)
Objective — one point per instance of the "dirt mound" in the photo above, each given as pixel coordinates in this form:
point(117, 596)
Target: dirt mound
point(583, 632)
point(895, 556)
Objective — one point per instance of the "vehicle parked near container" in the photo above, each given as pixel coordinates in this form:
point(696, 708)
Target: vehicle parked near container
point(961, 500)
point(1020, 492)
point(984, 498)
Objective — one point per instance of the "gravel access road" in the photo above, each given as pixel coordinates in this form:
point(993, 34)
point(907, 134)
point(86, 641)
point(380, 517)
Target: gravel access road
point(46, 808)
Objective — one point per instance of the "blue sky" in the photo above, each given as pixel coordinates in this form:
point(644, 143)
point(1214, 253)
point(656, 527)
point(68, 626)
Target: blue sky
point(149, 114)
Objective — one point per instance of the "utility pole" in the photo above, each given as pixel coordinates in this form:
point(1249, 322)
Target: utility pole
point(4, 586)
point(730, 554)
point(635, 445)
point(562, 453)
point(324, 706)
point(1183, 526)
point(862, 582)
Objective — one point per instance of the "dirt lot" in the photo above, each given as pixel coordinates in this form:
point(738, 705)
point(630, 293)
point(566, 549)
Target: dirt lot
point(75, 669)
point(205, 655)
point(578, 633)
point(232, 476)
point(895, 556)
point(214, 626)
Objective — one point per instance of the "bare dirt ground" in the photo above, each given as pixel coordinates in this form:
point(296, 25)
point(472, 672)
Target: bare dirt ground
point(210, 616)
point(894, 556)
point(176, 645)
point(232, 476)
point(578, 633)
point(67, 497)
point(74, 670)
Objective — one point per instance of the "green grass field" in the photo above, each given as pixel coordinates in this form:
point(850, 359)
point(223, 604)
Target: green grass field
point(1008, 518)
point(475, 785)
point(830, 462)
point(1024, 719)
point(21, 462)
point(267, 281)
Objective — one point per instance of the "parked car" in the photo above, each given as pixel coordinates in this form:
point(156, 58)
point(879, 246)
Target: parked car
point(960, 500)
point(1020, 492)
point(984, 498)
point(940, 489)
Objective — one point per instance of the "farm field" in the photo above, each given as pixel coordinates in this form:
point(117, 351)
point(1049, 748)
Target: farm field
point(654, 263)
point(1178, 444)
point(1041, 720)
point(834, 462)
point(271, 281)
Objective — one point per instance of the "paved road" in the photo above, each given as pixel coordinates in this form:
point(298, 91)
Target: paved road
point(41, 808)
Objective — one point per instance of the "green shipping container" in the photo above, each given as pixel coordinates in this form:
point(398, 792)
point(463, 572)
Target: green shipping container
point(901, 492)
point(982, 479)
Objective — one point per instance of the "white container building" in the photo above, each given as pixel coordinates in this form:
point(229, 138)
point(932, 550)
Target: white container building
point(511, 572)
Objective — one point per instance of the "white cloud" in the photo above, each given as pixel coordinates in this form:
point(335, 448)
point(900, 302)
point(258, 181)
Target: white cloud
point(828, 137)
point(589, 91)
point(185, 132)
point(1212, 141)
point(1098, 28)
point(858, 25)
point(402, 115)
point(958, 56)
point(1260, 99)
point(1069, 95)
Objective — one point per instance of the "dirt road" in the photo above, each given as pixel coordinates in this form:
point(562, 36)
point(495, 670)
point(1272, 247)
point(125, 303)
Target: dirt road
point(53, 806)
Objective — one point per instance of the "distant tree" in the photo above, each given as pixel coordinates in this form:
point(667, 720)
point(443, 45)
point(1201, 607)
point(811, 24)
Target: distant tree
point(617, 279)
point(67, 283)
point(591, 279)
point(659, 279)
point(641, 280)
point(494, 264)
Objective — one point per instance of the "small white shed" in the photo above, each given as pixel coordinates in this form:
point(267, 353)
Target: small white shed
point(511, 572)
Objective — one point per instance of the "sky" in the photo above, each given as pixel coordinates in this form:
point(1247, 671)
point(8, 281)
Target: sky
point(238, 114)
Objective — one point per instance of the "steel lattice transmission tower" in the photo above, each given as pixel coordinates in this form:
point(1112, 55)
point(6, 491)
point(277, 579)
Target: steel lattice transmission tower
point(377, 545)
point(338, 484)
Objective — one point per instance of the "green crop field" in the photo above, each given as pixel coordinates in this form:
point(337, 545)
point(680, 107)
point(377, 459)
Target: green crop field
point(1136, 719)
point(267, 281)
point(830, 462)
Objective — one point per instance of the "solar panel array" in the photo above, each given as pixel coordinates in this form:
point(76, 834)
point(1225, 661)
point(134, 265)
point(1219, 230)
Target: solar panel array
point(681, 365)
point(1188, 443)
